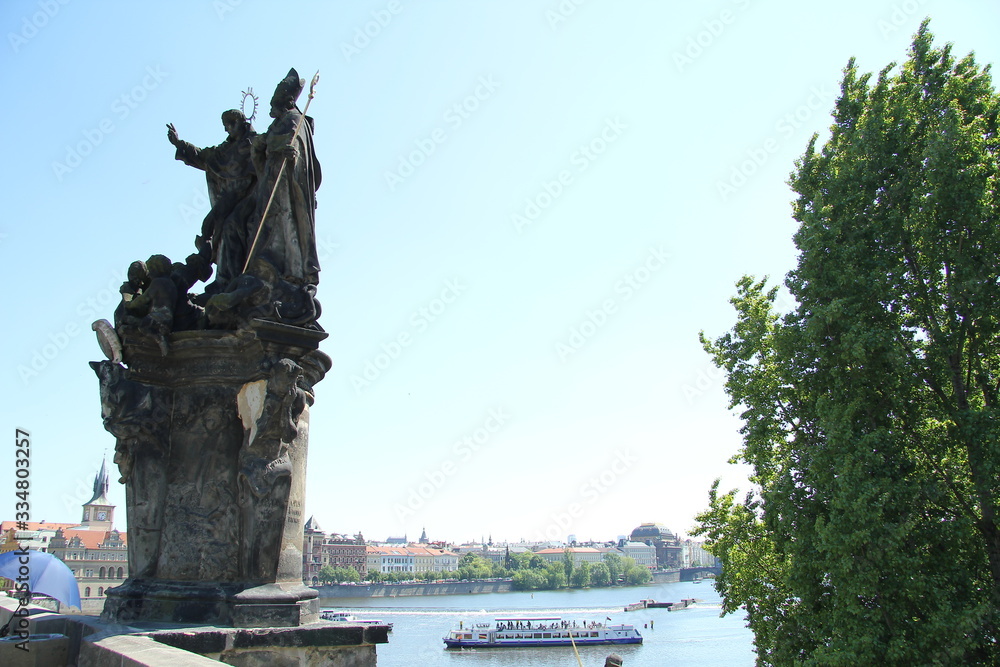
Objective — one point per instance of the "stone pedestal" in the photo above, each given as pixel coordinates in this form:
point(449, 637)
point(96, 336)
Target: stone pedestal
point(212, 445)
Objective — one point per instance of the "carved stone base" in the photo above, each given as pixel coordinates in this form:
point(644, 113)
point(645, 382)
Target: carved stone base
point(212, 444)
point(182, 602)
point(271, 605)
point(275, 606)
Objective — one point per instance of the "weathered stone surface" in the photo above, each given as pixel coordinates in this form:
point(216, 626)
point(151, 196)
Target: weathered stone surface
point(136, 651)
point(95, 643)
point(215, 639)
point(39, 650)
point(216, 488)
point(358, 656)
point(335, 645)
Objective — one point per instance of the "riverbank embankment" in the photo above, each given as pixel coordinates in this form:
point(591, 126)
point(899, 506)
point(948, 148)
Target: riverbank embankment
point(406, 590)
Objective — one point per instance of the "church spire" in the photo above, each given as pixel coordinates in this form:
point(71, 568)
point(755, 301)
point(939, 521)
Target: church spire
point(98, 512)
point(101, 485)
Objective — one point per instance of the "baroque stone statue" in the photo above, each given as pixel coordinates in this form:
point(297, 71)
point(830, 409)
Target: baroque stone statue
point(208, 394)
point(288, 228)
point(232, 188)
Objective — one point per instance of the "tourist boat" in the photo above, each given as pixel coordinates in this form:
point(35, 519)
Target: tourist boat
point(539, 631)
point(344, 617)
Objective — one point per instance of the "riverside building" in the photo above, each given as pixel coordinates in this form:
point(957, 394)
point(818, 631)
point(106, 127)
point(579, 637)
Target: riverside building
point(95, 552)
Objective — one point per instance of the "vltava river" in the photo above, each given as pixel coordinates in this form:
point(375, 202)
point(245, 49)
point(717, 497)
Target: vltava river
point(695, 636)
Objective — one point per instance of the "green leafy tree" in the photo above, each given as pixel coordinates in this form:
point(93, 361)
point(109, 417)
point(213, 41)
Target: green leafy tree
point(568, 563)
point(600, 575)
point(555, 574)
point(872, 410)
point(581, 575)
point(327, 575)
point(347, 574)
point(615, 567)
point(637, 575)
point(529, 579)
point(474, 566)
point(520, 561)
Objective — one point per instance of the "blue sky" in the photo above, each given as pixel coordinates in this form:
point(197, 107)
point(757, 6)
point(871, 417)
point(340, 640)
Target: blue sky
point(528, 212)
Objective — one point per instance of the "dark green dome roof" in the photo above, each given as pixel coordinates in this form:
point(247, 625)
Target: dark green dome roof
point(651, 531)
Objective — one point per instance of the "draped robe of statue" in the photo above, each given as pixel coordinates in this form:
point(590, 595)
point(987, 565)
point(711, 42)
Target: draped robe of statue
point(288, 236)
point(231, 177)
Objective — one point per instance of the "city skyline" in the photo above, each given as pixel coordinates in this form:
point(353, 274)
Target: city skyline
point(528, 214)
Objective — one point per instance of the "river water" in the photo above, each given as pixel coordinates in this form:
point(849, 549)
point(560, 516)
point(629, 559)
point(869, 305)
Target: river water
point(695, 636)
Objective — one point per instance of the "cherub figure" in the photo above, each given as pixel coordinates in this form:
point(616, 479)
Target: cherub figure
point(152, 310)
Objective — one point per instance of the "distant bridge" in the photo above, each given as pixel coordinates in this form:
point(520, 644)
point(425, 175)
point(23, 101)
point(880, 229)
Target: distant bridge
point(689, 573)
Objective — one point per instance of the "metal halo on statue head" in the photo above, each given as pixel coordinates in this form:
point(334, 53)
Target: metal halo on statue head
point(249, 94)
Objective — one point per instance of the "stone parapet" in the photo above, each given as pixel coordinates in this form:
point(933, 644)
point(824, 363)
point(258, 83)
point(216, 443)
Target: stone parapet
point(332, 644)
point(55, 640)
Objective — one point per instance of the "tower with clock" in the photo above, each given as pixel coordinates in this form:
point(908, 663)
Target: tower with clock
point(98, 512)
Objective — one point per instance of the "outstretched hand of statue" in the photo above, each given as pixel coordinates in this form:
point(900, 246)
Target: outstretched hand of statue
point(202, 245)
point(172, 134)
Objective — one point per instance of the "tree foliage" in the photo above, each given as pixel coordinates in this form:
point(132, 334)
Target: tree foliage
point(569, 562)
point(336, 575)
point(474, 566)
point(637, 575)
point(580, 578)
point(871, 410)
point(529, 579)
point(538, 573)
point(615, 566)
point(555, 574)
point(599, 575)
